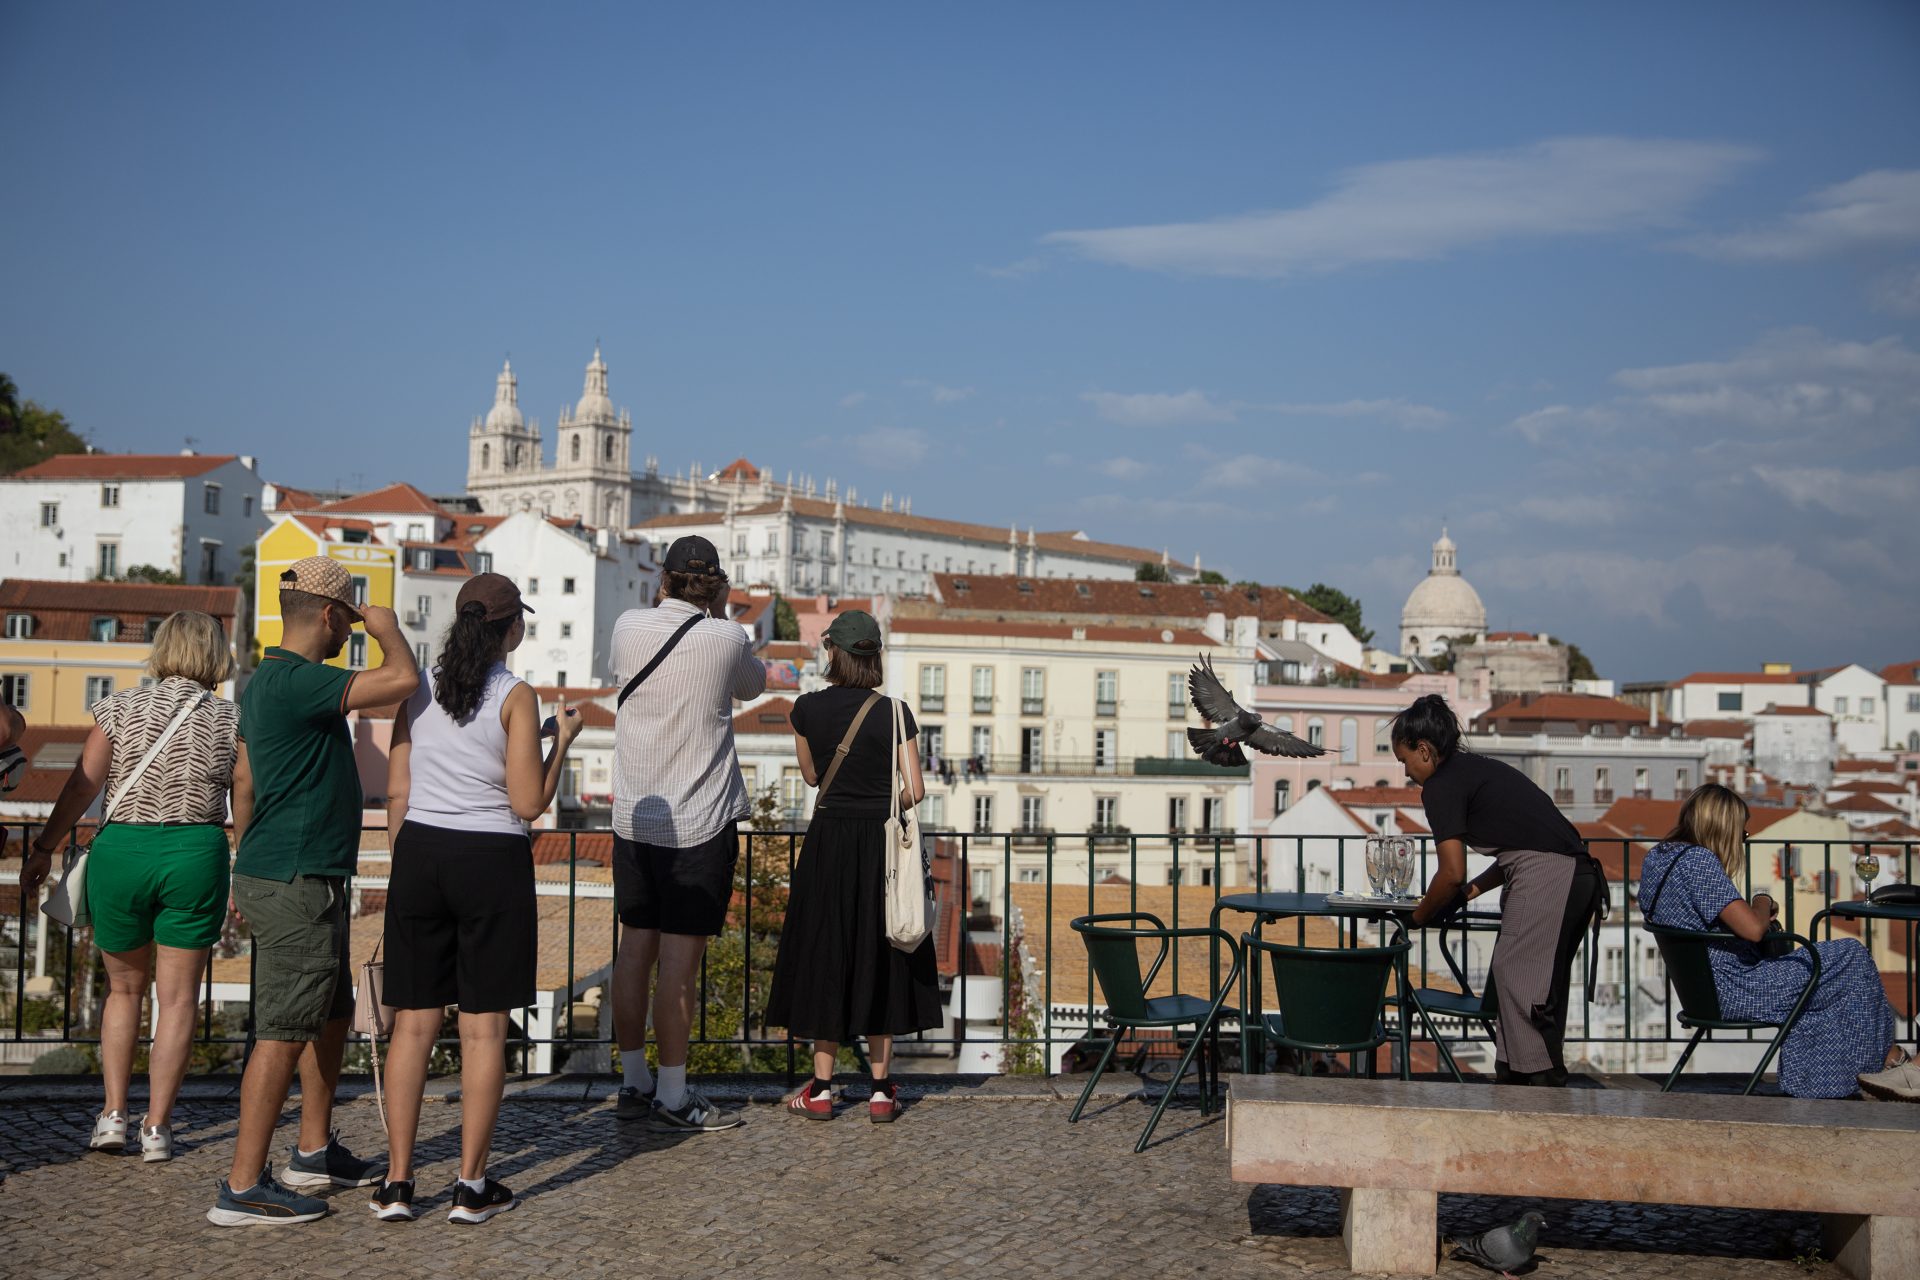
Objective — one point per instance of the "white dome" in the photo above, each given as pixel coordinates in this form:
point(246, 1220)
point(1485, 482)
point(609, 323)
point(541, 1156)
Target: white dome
point(595, 405)
point(1445, 605)
point(505, 414)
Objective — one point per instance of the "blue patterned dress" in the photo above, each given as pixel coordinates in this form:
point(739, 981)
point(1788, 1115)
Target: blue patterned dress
point(1848, 1025)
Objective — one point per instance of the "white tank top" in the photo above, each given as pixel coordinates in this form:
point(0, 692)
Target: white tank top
point(459, 771)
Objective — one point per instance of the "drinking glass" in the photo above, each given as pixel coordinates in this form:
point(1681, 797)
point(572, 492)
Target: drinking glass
point(1377, 863)
point(1401, 863)
point(1867, 866)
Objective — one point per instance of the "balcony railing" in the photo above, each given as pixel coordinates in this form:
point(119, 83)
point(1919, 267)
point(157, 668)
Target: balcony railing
point(1106, 710)
point(953, 770)
point(982, 705)
point(933, 702)
point(1033, 706)
point(1176, 711)
point(1563, 795)
point(51, 997)
point(1603, 795)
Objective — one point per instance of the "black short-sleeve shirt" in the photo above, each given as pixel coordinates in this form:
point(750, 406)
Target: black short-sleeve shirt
point(1492, 805)
point(861, 787)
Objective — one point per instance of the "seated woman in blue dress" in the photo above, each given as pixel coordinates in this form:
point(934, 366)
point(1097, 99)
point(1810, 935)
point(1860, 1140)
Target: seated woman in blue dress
point(1846, 1031)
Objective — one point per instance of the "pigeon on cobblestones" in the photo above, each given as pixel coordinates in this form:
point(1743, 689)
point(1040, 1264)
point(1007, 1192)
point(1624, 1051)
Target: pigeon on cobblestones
point(1235, 723)
point(1503, 1249)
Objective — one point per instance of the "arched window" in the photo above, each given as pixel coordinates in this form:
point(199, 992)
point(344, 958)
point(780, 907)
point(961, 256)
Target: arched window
point(486, 456)
point(1316, 733)
point(573, 450)
point(606, 450)
point(1282, 795)
point(514, 459)
point(1413, 644)
point(1313, 784)
point(1349, 741)
point(1913, 740)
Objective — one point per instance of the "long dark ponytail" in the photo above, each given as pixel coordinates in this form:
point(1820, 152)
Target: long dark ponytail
point(472, 648)
point(1429, 719)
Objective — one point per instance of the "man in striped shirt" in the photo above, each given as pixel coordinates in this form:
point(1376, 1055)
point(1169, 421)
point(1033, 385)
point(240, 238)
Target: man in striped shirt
point(677, 799)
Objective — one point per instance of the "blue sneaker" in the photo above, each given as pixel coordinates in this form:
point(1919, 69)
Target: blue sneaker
point(334, 1166)
point(265, 1204)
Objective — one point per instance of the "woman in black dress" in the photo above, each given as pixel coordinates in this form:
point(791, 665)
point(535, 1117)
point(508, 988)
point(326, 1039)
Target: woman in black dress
point(837, 976)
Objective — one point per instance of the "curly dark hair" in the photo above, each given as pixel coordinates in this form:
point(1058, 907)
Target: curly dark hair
point(468, 654)
point(1429, 719)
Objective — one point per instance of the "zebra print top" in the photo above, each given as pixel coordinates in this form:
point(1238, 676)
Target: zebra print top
point(190, 780)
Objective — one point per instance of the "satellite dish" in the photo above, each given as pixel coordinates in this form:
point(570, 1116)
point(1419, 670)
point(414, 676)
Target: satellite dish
point(1166, 637)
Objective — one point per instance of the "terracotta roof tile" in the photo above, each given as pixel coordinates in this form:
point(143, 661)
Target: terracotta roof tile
point(1741, 677)
point(788, 651)
point(1010, 593)
point(1901, 673)
point(1567, 706)
point(1050, 631)
point(1869, 785)
point(770, 717)
point(1852, 803)
point(47, 770)
point(66, 610)
point(394, 497)
point(738, 469)
point(1377, 797)
point(1654, 818)
point(1717, 729)
point(1774, 710)
point(124, 466)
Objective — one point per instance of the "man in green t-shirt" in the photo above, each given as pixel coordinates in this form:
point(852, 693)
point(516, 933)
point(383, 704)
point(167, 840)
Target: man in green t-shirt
point(296, 813)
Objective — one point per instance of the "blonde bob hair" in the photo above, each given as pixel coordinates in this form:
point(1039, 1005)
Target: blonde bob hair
point(1714, 818)
point(192, 645)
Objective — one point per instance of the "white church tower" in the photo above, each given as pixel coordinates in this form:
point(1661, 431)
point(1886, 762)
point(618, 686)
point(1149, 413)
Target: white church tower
point(502, 449)
point(590, 478)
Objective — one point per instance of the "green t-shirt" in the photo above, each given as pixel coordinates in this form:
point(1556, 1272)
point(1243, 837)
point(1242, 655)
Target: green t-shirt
point(306, 788)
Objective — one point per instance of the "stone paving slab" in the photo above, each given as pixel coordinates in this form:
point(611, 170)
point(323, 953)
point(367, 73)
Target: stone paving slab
point(975, 1179)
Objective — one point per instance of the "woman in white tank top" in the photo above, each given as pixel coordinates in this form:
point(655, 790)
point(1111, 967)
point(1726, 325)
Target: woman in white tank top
point(464, 779)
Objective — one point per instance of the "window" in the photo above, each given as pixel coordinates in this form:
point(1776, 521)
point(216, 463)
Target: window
point(566, 631)
point(49, 514)
point(359, 591)
point(13, 691)
point(1866, 706)
point(1913, 702)
point(934, 811)
point(210, 563)
point(1602, 784)
point(1682, 781)
point(1033, 691)
point(1033, 813)
point(99, 687)
point(1176, 814)
point(1106, 749)
point(566, 586)
point(151, 629)
point(826, 543)
point(1729, 701)
point(1282, 795)
point(19, 626)
point(533, 586)
point(1213, 813)
point(560, 678)
point(1643, 782)
point(423, 605)
point(210, 500)
point(982, 745)
point(357, 651)
point(1316, 733)
point(983, 689)
point(104, 630)
point(1106, 692)
point(1032, 757)
point(982, 815)
point(773, 545)
point(109, 495)
point(486, 456)
point(533, 630)
point(1106, 812)
point(109, 559)
point(1839, 706)
point(606, 449)
point(933, 688)
point(1176, 744)
point(793, 791)
point(420, 655)
point(573, 448)
point(1562, 784)
point(1030, 875)
point(1177, 695)
point(740, 544)
point(246, 506)
point(1349, 741)
point(933, 742)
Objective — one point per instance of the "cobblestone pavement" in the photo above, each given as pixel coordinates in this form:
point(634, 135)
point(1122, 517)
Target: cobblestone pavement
point(969, 1182)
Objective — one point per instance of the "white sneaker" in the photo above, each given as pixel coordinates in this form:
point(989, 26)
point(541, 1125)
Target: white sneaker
point(1895, 1084)
point(156, 1143)
point(109, 1132)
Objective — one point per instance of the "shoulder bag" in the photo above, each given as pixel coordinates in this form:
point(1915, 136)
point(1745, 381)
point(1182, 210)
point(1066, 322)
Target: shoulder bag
point(68, 901)
point(909, 878)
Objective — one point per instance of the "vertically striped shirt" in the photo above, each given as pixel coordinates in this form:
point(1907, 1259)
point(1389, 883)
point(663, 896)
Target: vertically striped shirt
point(676, 776)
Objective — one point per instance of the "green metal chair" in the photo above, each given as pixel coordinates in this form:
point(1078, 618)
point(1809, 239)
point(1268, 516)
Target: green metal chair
point(1112, 940)
point(1685, 954)
point(1464, 1003)
point(1330, 998)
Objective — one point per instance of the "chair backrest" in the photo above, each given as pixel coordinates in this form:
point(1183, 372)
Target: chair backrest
point(1330, 995)
point(1114, 954)
point(1690, 971)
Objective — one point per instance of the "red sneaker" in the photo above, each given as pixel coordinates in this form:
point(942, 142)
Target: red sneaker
point(883, 1107)
point(809, 1107)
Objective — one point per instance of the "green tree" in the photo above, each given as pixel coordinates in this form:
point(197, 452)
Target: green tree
point(155, 574)
point(1445, 661)
point(786, 626)
point(1213, 578)
point(1338, 605)
point(1148, 571)
point(31, 434)
point(1579, 665)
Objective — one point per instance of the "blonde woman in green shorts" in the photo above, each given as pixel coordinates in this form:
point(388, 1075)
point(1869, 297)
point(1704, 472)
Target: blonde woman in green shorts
point(157, 873)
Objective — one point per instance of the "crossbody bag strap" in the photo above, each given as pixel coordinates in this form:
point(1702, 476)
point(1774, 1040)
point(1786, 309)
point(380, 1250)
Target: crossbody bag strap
point(153, 752)
point(846, 745)
point(893, 763)
point(658, 658)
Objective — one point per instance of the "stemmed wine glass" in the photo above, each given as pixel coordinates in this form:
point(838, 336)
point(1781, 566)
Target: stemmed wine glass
point(1377, 864)
point(1866, 865)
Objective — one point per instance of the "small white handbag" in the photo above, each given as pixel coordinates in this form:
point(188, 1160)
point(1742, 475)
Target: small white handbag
point(909, 877)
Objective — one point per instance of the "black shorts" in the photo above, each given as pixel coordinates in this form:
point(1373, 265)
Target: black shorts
point(675, 890)
point(461, 920)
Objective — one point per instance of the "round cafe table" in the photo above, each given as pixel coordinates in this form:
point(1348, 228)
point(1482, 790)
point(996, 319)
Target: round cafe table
point(1898, 915)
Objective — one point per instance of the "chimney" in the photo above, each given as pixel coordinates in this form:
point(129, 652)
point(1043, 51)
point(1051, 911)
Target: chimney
point(250, 462)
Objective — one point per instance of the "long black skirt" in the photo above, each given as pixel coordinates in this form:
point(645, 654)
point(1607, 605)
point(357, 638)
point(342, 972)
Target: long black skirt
point(837, 977)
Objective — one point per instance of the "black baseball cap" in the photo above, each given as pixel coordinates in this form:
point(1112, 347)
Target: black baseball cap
point(694, 554)
point(856, 632)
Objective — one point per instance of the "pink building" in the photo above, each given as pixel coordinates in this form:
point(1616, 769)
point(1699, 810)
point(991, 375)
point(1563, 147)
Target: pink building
point(1352, 724)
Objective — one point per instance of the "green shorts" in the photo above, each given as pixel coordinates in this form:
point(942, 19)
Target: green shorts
point(150, 883)
point(301, 979)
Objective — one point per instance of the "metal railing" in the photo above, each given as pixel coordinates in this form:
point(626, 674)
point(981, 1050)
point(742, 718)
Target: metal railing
point(1041, 879)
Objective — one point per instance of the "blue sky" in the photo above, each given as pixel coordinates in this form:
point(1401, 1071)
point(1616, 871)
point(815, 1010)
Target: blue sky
point(1629, 294)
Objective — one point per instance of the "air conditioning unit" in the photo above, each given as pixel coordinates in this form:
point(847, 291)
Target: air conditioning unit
point(416, 619)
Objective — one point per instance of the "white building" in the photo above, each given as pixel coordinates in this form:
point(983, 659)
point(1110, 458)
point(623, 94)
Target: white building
point(1903, 706)
point(82, 516)
point(579, 580)
point(1443, 607)
point(1794, 745)
point(1856, 698)
point(591, 476)
point(1734, 695)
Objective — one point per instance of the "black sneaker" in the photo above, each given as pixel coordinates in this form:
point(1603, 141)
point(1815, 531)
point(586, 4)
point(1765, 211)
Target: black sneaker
point(335, 1166)
point(695, 1113)
point(393, 1202)
point(631, 1104)
point(477, 1206)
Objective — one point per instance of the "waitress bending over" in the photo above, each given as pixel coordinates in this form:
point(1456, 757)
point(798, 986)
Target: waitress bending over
point(1554, 888)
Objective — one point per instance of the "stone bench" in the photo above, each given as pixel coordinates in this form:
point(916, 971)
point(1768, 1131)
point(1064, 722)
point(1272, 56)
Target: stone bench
point(1392, 1146)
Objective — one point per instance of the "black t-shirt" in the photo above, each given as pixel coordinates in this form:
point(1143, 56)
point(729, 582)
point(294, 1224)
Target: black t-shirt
point(1492, 805)
point(861, 787)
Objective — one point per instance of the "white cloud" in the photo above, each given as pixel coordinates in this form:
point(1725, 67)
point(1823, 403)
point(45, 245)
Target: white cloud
point(1877, 208)
point(1847, 493)
point(891, 448)
point(1766, 584)
point(1404, 210)
point(1251, 471)
point(1019, 270)
point(1898, 292)
point(1575, 509)
point(853, 398)
point(1122, 468)
point(1157, 409)
point(951, 395)
point(1559, 420)
point(1404, 413)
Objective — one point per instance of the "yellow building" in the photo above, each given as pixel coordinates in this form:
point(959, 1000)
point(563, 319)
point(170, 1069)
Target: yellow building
point(354, 544)
point(66, 645)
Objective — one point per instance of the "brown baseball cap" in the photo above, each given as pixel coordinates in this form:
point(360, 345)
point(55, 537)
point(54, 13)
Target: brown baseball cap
point(494, 591)
point(322, 576)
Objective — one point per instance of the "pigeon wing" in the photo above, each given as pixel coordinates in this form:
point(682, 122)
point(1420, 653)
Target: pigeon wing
point(1278, 742)
point(1210, 697)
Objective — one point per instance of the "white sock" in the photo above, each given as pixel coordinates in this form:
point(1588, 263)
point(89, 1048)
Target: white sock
point(672, 1086)
point(635, 1072)
point(475, 1184)
point(313, 1155)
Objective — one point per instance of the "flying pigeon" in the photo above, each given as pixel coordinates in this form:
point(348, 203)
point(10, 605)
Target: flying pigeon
point(1236, 724)
point(1503, 1249)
